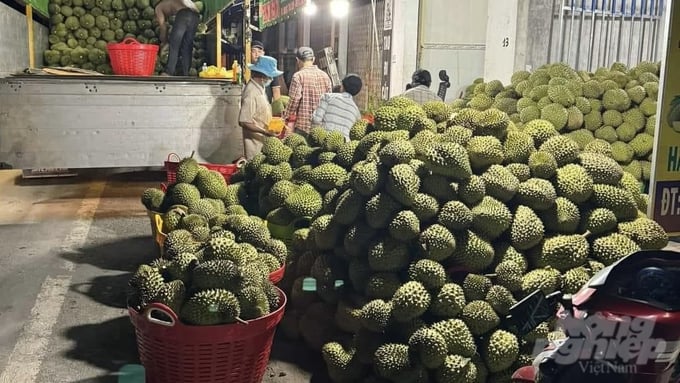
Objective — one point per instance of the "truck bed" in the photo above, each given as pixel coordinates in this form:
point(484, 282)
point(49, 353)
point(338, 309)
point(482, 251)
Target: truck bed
point(50, 121)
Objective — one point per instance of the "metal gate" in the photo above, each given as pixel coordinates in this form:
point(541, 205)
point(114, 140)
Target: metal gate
point(589, 34)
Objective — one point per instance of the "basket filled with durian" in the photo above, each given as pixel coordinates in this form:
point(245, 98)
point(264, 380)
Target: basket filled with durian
point(204, 218)
point(204, 318)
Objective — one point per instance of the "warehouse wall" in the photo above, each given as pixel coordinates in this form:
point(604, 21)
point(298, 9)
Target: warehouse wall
point(14, 41)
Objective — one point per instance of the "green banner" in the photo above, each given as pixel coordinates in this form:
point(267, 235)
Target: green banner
point(39, 6)
point(212, 7)
point(274, 11)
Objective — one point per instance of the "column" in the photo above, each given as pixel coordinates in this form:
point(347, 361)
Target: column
point(501, 40)
point(400, 44)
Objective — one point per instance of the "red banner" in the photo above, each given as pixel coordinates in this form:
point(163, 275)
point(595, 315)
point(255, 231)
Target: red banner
point(274, 11)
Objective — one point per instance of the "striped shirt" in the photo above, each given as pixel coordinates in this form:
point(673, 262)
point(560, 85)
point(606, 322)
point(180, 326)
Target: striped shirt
point(421, 94)
point(306, 88)
point(336, 112)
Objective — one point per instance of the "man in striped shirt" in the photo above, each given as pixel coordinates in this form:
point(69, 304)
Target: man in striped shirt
point(338, 111)
point(306, 88)
point(420, 88)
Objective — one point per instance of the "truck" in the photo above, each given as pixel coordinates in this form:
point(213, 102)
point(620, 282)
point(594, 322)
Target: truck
point(83, 119)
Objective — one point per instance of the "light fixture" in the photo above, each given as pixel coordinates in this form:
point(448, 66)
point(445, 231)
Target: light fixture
point(310, 8)
point(339, 8)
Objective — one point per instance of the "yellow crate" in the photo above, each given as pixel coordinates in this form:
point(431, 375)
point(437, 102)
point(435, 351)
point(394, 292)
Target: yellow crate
point(156, 220)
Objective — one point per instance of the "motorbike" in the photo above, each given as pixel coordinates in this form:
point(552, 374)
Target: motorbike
point(444, 84)
point(623, 326)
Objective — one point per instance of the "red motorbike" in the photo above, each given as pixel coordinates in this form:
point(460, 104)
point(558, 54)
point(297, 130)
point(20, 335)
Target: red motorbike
point(623, 326)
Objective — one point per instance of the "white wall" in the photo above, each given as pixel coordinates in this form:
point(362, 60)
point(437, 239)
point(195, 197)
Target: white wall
point(501, 40)
point(404, 44)
point(453, 37)
point(14, 41)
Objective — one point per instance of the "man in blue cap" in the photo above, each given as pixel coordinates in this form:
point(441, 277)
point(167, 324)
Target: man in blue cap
point(256, 112)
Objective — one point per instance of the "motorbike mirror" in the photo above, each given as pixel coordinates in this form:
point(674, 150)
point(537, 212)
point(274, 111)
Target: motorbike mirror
point(443, 76)
point(531, 311)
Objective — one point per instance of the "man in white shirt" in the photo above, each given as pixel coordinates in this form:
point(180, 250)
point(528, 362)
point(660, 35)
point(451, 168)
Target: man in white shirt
point(420, 88)
point(338, 111)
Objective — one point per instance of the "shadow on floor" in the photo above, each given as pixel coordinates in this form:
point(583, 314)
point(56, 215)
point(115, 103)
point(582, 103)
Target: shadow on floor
point(108, 290)
point(123, 255)
point(109, 345)
point(98, 174)
point(298, 354)
point(130, 373)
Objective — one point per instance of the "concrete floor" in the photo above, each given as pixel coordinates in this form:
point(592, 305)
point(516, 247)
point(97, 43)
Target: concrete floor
point(70, 246)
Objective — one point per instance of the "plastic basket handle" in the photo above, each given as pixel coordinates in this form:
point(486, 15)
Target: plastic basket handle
point(130, 40)
point(240, 163)
point(172, 155)
point(159, 307)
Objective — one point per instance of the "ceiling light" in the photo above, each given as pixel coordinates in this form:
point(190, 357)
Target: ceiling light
point(310, 8)
point(339, 8)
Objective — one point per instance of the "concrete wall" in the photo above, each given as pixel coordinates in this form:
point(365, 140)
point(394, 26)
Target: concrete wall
point(567, 39)
point(363, 52)
point(468, 39)
point(14, 41)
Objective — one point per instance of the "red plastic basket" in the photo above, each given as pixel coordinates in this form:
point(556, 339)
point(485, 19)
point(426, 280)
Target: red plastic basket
point(171, 351)
point(131, 58)
point(277, 275)
point(226, 170)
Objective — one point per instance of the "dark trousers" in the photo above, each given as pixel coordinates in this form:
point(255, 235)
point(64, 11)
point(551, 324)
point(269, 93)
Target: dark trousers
point(181, 41)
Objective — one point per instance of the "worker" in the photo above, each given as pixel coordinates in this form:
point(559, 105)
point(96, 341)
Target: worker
point(419, 90)
point(274, 90)
point(337, 111)
point(307, 86)
point(181, 41)
point(256, 113)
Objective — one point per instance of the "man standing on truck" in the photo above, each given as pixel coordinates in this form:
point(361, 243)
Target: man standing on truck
point(181, 41)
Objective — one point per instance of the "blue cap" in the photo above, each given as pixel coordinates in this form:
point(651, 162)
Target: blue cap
point(267, 66)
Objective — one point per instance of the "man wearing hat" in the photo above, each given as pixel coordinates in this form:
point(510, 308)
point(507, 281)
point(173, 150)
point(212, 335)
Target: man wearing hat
point(420, 88)
point(274, 90)
point(307, 86)
point(256, 113)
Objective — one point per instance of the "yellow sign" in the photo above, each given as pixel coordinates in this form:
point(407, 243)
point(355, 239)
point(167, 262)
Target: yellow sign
point(665, 183)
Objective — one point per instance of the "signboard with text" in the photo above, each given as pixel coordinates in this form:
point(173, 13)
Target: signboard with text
point(274, 11)
point(665, 182)
point(387, 49)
